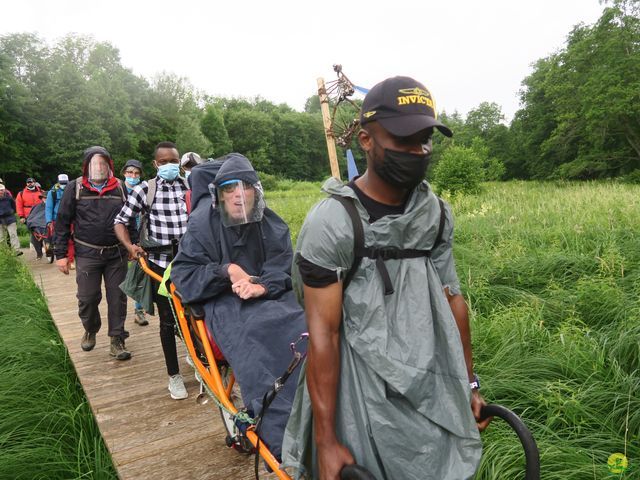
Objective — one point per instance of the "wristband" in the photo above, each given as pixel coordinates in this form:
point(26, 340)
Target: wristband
point(475, 385)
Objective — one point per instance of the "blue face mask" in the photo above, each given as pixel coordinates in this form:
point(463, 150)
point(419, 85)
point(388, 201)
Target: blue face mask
point(169, 171)
point(132, 181)
point(186, 174)
point(62, 185)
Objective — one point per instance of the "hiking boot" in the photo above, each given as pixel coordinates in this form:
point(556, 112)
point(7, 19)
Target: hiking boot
point(38, 258)
point(118, 350)
point(88, 341)
point(141, 318)
point(176, 387)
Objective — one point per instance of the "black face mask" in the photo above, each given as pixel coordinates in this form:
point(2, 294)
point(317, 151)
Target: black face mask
point(402, 169)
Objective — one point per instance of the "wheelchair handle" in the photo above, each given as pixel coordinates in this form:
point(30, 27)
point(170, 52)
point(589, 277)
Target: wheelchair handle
point(356, 472)
point(531, 453)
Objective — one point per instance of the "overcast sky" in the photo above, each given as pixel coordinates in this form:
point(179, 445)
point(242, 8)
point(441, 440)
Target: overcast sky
point(464, 51)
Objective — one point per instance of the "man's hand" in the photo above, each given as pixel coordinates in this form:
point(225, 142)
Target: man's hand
point(477, 402)
point(236, 273)
point(23, 220)
point(63, 265)
point(136, 251)
point(246, 290)
point(332, 459)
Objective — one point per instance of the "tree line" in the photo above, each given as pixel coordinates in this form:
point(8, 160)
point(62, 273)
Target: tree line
point(579, 115)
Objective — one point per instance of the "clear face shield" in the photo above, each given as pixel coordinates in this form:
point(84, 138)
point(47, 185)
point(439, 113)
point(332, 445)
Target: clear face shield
point(240, 202)
point(98, 170)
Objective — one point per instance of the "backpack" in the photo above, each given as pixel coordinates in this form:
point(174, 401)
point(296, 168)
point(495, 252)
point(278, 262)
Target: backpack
point(380, 254)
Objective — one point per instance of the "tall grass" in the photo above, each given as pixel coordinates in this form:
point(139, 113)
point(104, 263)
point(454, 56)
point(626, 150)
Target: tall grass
point(552, 275)
point(47, 430)
point(551, 272)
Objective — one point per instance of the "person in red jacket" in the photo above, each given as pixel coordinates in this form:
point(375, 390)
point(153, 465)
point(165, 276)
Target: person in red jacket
point(26, 199)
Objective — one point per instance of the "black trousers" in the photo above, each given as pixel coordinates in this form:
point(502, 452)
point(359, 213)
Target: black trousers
point(167, 325)
point(37, 245)
point(90, 272)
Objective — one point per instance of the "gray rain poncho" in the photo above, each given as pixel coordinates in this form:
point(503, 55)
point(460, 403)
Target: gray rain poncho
point(403, 404)
point(254, 335)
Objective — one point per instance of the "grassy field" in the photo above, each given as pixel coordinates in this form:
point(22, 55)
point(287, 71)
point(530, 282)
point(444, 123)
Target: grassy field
point(552, 276)
point(47, 430)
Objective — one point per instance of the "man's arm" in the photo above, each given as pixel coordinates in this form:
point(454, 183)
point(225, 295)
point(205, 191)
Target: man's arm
point(135, 204)
point(323, 307)
point(461, 314)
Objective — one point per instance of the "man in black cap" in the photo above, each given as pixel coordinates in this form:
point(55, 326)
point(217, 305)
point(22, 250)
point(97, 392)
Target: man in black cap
point(389, 360)
point(90, 203)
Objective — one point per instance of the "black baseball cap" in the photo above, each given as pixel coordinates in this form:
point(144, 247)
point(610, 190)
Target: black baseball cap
point(403, 106)
point(31, 180)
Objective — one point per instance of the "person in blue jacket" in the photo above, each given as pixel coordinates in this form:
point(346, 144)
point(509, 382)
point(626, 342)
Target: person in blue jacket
point(235, 259)
point(54, 195)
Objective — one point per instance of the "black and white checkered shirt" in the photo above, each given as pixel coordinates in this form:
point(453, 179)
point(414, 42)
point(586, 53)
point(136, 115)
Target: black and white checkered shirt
point(168, 215)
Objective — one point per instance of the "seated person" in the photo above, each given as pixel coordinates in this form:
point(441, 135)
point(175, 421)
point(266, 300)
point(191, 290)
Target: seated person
point(236, 260)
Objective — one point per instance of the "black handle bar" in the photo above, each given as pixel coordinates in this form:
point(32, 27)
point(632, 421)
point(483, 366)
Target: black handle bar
point(531, 454)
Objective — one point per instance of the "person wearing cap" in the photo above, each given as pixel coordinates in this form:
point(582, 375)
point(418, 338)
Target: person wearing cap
point(8, 219)
point(54, 195)
point(132, 173)
point(235, 260)
point(188, 161)
point(26, 199)
point(389, 380)
point(89, 204)
point(160, 202)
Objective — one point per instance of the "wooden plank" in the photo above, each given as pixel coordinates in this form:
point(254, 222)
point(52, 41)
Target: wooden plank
point(149, 435)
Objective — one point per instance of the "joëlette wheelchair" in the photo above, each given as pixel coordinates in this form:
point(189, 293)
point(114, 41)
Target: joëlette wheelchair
point(217, 380)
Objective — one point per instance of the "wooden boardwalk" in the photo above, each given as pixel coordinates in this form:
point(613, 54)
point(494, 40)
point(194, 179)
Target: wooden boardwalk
point(149, 435)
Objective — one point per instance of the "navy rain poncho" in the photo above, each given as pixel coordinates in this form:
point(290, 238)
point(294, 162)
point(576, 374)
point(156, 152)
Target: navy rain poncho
point(254, 335)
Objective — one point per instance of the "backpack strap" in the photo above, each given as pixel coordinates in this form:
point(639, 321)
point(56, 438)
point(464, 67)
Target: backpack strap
point(152, 187)
point(358, 237)
point(78, 187)
point(151, 192)
point(440, 225)
point(384, 253)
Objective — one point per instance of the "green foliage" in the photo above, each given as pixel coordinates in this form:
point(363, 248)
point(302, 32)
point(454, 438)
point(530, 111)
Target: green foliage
point(633, 177)
point(581, 106)
point(459, 171)
point(47, 429)
point(212, 126)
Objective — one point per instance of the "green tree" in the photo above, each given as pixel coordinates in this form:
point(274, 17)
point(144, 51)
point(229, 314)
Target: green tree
point(212, 126)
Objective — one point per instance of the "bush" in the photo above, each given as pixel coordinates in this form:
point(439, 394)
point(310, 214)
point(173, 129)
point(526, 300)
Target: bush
point(459, 170)
point(268, 181)
point(633, 177)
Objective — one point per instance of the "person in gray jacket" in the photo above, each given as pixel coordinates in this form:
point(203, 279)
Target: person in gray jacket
point(388, 381)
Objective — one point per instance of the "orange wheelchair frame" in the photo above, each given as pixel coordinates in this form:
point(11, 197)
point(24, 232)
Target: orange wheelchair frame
point(208, 370)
